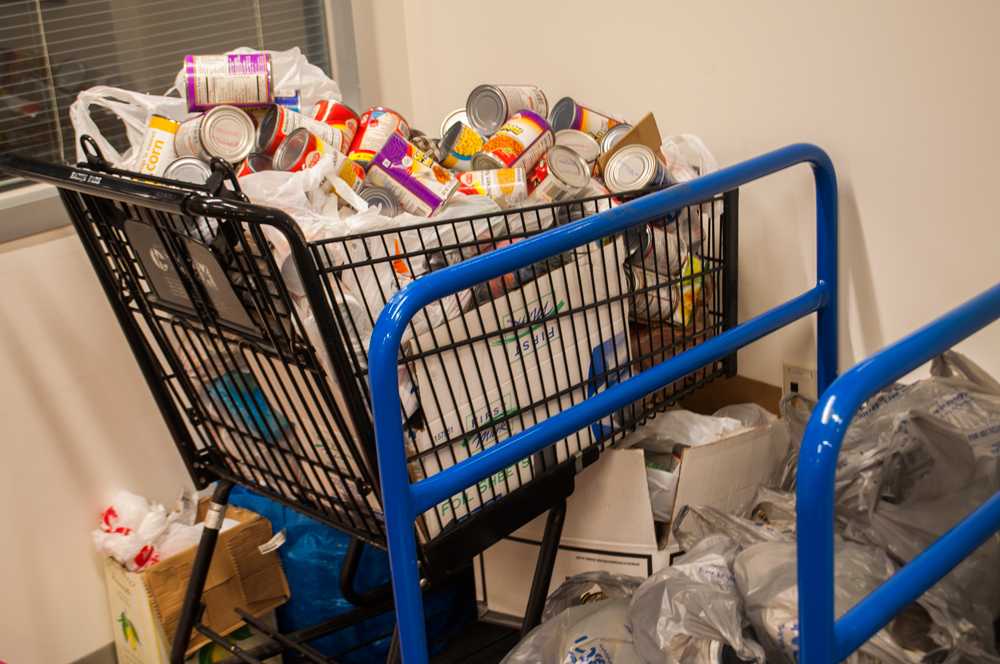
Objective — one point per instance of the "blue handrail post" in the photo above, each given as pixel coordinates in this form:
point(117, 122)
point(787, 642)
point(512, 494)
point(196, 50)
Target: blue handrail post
point(822, 640)
point(403, 501)
point(827, 253)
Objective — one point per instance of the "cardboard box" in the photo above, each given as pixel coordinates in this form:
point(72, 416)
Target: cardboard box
point(145, 606)
point(560, 353)
point(609, 521)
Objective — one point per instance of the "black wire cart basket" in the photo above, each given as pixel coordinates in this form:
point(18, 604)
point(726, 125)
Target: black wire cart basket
point(253, 343)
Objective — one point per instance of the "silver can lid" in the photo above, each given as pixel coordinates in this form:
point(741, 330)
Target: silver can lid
point(486, 109)
point(290, 149)
point(562, 114)
point(632, 167)
point(579, 142)
point(456, 116)
point(614, 135)
point(188, 169)
point(383, 198)
point(484, 161)
point(228, 133)
point(568, 166)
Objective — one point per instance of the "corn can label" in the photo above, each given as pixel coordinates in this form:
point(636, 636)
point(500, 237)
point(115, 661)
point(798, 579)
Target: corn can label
point(521, 141)
point(420, 185)
point(238, 79)
point(466, 144)
point(377, 125)
point(157, 150)
point(691, 291)
point(506, 186)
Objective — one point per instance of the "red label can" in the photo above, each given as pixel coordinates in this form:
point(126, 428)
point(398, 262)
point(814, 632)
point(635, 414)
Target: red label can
point(300, 150)
point(377, 125)
point(339, 116)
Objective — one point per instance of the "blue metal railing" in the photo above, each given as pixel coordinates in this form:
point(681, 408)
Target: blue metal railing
point(404, 501)
point(821, 639)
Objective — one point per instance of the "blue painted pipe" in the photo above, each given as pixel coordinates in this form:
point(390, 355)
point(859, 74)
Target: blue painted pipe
point(403, 502)
point(820, 640)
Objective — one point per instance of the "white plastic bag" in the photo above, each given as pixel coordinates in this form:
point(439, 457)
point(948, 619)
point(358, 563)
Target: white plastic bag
point(292, 75)
point(132, 108)
point(681, 427)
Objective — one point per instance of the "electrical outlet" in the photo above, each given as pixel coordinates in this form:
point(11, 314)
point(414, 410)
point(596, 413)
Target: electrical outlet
point(800, 380)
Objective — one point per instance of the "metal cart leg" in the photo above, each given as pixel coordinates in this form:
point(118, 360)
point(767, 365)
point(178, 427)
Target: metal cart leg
point(543, 568)
point(192, 608)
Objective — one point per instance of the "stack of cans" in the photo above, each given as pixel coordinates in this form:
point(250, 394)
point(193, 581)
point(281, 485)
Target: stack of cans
point(507, 143)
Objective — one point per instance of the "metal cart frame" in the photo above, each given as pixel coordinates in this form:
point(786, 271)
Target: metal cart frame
point(405, 501)
point(273, 423)
point(822, 639)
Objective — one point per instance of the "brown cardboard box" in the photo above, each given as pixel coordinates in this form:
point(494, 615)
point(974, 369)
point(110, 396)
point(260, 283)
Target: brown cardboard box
point(240, 576)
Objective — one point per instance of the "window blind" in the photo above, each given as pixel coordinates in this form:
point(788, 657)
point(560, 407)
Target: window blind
point(52, 49)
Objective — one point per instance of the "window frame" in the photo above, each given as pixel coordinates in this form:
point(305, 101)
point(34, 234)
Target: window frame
point(35, 208)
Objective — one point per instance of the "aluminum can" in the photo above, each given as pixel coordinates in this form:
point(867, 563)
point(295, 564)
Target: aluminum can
point(353, 174)
point(420, 185)
point(383, 198)
point(560, 174)
point(615, 134)
point(568, 114)
point(490, 106)
point(157, 150)
point(188, 169)
point(340, 117)
point(521, 141)
point(458, 146)
point(458, 115)
point(634, 167)
point(581, 143)
point(239, 79)
point(279, 122)
point(507, 186)
point(227, 133)
point(254, 163)
point(376, 126)
point(300, 150)
point(660, 250)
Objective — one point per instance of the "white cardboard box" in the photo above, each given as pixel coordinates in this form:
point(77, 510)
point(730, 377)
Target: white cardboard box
point(558, 354)
point(609, 520)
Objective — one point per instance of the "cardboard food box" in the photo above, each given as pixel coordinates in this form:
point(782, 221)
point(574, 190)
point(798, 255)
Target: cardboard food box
point(548, 358)
point(609, 519)
point(145, 606)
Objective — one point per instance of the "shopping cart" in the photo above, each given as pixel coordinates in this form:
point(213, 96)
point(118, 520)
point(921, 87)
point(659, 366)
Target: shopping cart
point(254, 343)
point(405, 501)
point(822, 639)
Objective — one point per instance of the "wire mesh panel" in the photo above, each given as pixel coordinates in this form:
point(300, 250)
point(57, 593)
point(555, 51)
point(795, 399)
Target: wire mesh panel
point(481, 365)
point(254, 343)
point(232, 349)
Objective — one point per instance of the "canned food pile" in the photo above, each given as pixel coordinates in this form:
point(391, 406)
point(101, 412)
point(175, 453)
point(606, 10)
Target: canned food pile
point(507, 144)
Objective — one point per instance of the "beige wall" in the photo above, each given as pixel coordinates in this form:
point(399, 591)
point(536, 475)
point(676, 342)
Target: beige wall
point(902, 94)
point(78, 423)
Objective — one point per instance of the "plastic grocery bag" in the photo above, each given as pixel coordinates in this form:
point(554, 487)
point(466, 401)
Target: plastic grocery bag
point(293, 75)
point(132, 108)
point(587, 634)
point(138, 533)
point(679, 613)
point(681, 427)
point(587, 588)
point(696, 522)
point(766, 577)
point(749, 415)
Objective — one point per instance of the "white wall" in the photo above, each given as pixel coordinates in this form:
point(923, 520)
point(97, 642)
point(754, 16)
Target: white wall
point(78, 423)
point(901, 93)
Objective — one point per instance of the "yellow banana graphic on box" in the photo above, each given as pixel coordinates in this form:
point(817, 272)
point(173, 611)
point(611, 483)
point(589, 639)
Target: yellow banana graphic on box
point(128, 629)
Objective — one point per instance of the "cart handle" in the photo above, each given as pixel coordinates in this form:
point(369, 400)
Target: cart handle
point(821, 639)
point(404, 501)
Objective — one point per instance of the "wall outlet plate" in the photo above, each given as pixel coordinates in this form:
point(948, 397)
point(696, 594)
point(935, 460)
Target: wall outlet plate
point(797, 379)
